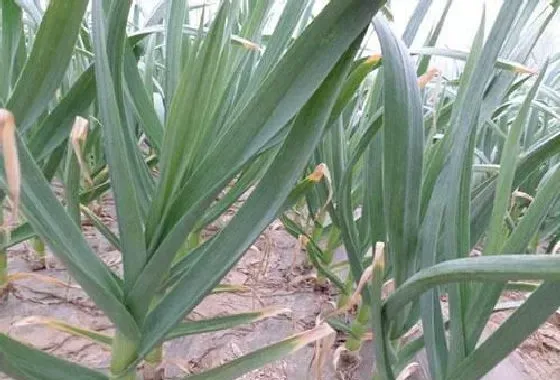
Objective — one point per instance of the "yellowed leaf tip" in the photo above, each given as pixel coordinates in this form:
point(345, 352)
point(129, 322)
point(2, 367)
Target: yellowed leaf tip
point(249, 45)
point(521, 69)
point(322, 349)
point(61, 326)
point(303, 240)
point(410, 371)
point(328, 178)
point(31, 320)
point(303, 339)
point(318, 173)
point(388, 288)
point(379, 257)
point(231, 289)
point(355, 299)
point(374, 58)
point(11, 161)
point(523, 195)
point(39, 277)
point(79, 130)
point(78, 136)
point(424, 79)
point(273, 311)
point(42, 320)
point(336, 356)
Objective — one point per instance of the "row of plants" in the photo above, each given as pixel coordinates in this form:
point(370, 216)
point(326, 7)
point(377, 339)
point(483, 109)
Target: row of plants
point(164, 163)
point(427, 173)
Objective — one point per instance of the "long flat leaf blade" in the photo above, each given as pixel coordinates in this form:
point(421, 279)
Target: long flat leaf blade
point(223, 322)
point(131, 230)
point(24, 363)
point(143, 106)
point(508, 165)
point(516, 243)
point(261, 208)
point(51, 222)
point(47, 63)
point(403, 142)
point(278, 99)
point(485, 269)
point(259, 358)
point(12, 35)
point(525, 320)
point(55, 129)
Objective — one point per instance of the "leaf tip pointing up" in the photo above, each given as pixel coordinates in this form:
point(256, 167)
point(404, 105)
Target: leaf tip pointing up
point(78, 137)
point(11, 161)
point(379, 257)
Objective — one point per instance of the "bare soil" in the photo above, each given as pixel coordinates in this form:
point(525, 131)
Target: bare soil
point(273, 275)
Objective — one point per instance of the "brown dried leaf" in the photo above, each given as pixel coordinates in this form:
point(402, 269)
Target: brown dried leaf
point(424, 79)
